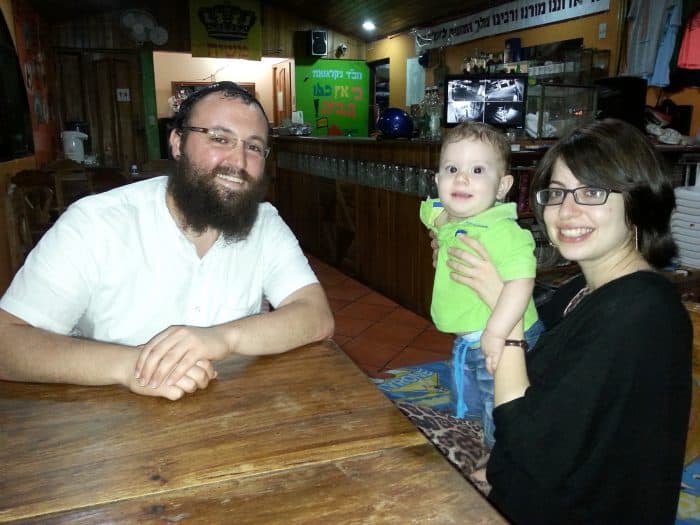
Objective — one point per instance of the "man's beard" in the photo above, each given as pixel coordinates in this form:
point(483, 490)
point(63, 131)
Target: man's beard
point(203, 204)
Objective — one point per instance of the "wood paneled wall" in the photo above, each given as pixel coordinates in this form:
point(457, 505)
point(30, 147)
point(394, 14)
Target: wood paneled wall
point(371, 233)
point(279, 30)
point(95, 56)
point(86, 87)
point(281, 37)
point(104, 30)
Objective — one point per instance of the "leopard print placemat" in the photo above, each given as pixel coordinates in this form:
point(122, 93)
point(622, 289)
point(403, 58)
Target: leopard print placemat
point(459, 440)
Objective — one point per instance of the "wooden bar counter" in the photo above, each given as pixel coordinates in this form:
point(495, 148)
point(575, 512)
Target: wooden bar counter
point(365, 224)
point(353, 202)
point(299, 438)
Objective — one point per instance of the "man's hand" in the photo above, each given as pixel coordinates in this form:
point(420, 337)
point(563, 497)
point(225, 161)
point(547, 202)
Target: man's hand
point(169, 355)
point(195, 378)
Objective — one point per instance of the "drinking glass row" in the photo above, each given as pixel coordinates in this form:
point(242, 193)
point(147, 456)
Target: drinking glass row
point(390, 176)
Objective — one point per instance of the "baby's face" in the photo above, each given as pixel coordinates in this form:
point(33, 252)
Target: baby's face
point(471, 177)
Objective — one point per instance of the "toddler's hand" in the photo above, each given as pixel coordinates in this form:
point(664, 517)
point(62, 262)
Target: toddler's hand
point(492, 348)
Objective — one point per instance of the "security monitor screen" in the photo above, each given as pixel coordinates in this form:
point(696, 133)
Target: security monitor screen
point(498, 100)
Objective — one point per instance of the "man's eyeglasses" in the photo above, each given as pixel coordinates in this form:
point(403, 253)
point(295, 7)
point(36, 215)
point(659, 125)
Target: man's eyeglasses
point(585, 195)
point(218, 138)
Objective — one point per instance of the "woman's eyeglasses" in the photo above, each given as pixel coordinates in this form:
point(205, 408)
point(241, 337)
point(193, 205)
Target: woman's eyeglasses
point(218, 138)
point(585, 195)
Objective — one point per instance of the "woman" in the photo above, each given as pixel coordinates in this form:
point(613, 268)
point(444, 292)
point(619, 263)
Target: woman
point(591, 423)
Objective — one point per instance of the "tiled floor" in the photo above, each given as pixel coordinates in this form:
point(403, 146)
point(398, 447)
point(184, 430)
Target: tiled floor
point(374, 331)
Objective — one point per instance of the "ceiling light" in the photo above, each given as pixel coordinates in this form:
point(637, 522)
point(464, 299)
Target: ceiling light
point(368, 26)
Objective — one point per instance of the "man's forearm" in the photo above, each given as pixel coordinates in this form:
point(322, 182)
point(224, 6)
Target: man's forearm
point(31, 354)
point(304, 318)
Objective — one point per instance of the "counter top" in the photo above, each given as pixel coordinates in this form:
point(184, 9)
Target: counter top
point(526, 145)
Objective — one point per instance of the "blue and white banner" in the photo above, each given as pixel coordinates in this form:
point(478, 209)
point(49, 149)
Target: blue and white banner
point(520, 14)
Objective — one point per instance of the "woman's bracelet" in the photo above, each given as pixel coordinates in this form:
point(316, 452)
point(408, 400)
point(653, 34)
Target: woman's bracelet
point(517, 342)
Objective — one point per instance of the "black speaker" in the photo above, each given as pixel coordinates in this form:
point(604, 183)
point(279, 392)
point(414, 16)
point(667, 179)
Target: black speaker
point(319, 42)
point(424, 59)
point(623, 98)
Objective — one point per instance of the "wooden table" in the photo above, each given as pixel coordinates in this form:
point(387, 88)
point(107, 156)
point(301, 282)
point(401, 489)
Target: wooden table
point(299, 438)
point(71, 182)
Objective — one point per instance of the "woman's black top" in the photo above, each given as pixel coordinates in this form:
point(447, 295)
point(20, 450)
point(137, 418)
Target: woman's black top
point(599, 436)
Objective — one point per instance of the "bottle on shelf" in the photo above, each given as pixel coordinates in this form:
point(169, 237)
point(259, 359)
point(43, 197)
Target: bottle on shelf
point(435, 113)
point(422, 119)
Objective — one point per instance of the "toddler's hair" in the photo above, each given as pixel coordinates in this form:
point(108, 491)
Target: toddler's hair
point(485, 133)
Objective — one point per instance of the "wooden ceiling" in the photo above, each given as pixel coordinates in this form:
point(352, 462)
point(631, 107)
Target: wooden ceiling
point(344, 16)
point(390, 16)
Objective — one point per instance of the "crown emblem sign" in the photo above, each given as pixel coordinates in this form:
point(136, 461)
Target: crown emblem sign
point(226, 22)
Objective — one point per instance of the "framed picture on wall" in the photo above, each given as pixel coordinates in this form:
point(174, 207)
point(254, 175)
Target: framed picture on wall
point(183, 89)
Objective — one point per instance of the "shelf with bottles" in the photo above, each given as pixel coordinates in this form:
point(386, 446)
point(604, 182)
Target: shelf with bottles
point(583, 67)
point(520, 66)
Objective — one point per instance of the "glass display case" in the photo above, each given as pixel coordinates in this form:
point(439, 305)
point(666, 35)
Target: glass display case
point(553, 109)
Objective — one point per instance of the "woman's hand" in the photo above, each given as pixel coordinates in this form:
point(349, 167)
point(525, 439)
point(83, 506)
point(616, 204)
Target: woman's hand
point(435, 245)
point(474, 269)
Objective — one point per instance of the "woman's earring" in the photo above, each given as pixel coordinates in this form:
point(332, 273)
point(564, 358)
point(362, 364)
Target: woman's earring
point(636, 239)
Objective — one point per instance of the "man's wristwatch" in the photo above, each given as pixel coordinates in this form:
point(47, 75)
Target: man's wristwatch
point(517, 342)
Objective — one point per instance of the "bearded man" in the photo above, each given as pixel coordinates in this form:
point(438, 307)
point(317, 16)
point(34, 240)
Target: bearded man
point(148, 285)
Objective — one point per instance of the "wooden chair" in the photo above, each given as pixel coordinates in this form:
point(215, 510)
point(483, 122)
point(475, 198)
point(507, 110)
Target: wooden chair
point(72, 181)
point(38, 190)
point(156, 168)
point(105, 179)
point(17, 227)
point(63, 165)
point(27, 214)
point(25, 178)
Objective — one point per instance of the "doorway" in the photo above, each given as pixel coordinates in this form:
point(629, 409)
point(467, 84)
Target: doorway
point(282, 92)
point(102, 90)
point(379, 84)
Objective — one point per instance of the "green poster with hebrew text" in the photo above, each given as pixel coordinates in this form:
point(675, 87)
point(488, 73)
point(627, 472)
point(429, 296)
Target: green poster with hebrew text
point(334, 96)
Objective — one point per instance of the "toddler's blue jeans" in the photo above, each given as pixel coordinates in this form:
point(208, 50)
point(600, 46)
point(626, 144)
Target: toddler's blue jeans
point(472, 384)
